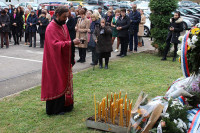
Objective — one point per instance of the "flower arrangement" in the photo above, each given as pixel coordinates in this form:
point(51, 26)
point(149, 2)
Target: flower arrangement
point(190, 50)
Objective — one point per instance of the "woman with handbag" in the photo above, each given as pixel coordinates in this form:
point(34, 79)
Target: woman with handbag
point(82, 27)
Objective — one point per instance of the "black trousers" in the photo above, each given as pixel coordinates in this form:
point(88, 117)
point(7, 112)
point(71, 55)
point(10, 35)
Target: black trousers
point(4, 35)
point(167, 47)
point(82, 53)
point(15, 36)
point(42, 38)
point(106, 61)
point(32, 34)
point(124, 45)
point(26, 37)
point(57, 106)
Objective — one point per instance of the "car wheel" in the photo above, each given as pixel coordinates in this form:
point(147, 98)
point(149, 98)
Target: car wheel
point(146, 31)
point(185, 27)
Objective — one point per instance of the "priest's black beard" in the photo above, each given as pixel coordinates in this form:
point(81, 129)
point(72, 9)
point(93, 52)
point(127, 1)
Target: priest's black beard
point(59, 22)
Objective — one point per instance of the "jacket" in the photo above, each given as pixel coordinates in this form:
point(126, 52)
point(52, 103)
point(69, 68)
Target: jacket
point(141, 26)
point(135, 19)
point(104, 39)
point(92, 43)
point(45, 22)
point(33, 20)
point(5, 19)
point(178, 27)
point(124, 23)
point(71, 24)
point(83, 26)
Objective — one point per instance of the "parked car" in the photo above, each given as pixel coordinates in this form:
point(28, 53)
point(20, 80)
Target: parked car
point(125, 6)
point(94, 7)
point(50, 7)
point(25, 4)
point(107, 4)
point(189, 16)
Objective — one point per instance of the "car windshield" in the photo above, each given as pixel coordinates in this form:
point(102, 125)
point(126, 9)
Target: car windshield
point(89, 7)
point(2, 4)
point(52, 8)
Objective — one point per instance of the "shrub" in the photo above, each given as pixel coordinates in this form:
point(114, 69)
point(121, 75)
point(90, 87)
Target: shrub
point(160, 16)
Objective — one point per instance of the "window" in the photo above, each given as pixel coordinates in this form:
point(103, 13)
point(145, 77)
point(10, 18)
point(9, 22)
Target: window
point(8, 0)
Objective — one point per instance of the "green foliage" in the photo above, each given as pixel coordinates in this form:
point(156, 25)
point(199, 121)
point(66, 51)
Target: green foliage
point(160, 16)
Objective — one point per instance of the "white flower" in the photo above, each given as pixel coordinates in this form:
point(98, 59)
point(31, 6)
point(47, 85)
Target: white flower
point(192, 46)
point(179, 52)
point(189, 42)
point(194, 39)
point(166, 115)
point(175, 121)
point(180, 38)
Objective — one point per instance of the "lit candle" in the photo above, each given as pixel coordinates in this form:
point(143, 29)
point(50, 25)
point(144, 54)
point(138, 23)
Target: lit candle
point(111, 99)
point(112, 108)
point(100, 110)
point(95, 109)
point(121, 115)
point(125, 97)
point(117, 103)
point(115, 112)
point(115, 98)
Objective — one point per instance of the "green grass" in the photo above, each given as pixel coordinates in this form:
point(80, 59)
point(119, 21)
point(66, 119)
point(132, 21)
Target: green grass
point(132, 74)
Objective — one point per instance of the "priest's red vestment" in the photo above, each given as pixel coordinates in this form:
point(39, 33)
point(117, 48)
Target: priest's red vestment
point(57, 68)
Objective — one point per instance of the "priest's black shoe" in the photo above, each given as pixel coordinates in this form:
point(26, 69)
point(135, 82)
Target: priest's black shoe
point(100, 66)
point(122, 55)
point(82, 61)
point(119, 55)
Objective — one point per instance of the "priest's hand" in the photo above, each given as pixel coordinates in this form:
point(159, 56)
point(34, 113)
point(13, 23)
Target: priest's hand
point(76, 41)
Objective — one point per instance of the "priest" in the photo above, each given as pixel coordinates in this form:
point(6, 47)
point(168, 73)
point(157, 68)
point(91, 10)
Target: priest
point(58, 59)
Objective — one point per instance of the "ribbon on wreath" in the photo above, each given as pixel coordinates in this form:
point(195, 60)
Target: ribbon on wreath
point(184, 62)
point(194, 119)
point(182, 100)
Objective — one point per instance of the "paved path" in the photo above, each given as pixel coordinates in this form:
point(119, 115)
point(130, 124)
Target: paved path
point(20, 66)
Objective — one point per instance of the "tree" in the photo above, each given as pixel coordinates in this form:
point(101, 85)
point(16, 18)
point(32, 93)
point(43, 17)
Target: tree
point(160, 16)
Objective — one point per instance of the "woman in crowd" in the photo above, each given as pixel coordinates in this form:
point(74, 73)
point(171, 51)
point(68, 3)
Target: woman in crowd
point(83, 24)
point(31, 22)
point(14, 20)
point(92, 43)
point(4, 27)
point(114, 30)
point(141, 28)
point(103, 38)
point(109, 18)
point(175, 27)
point(88, 16)
point(123, 23)
point(48, 16)
point(20, 14)
point(42, 22)
point(27, 13)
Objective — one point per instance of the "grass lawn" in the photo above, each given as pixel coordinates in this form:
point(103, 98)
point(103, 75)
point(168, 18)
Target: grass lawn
point(139, 72)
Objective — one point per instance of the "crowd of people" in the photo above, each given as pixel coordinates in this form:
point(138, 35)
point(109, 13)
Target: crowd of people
point(97, 31)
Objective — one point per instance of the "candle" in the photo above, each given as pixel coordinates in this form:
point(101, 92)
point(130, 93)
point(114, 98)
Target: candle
point(112, 108)
point(102, 108)
point(117, 103)
point(111, 98)
point(100, 111)
point(121, 115)
point(125, 107)
point(95, 109)
point(115, 112)
point(98, 108)
point(107, 100)
point(120, 94)
point(127, 118)
point(125, 97)
point(115, 98)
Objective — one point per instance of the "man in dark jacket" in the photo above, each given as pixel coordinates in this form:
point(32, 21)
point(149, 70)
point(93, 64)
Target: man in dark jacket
point(42, 22)
point(41, 10)
point(175, 27)
point(31, 22)
point(123, 23)
point(100, 12)
point(4, 27)
point(135, 19)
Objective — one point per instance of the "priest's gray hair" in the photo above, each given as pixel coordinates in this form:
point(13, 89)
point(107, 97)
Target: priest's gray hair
point(60, 10)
